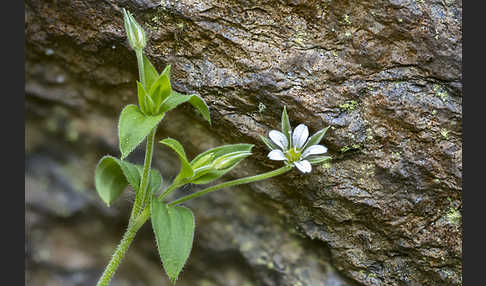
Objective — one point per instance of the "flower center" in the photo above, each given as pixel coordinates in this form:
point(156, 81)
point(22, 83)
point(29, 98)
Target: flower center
point(293, 155)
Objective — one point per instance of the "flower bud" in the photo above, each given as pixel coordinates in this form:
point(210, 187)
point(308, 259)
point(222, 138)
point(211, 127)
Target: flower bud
point(204, 160)
point(230, 159)
point(135, 32)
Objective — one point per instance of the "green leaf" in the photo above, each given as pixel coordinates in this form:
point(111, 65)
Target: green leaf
point(131, 172)
point(150, 72)
point(109, 179)
point(186, 169)
point(112, 175)
point(162, 83)
point(286, 129)
point(174, 233)
point(317, 160)
point(316, 138)
point(166, 71)
point(133, 127)
point(160, 91)
point(201, 106)
point(174, 100)
point(142, 95)
point(269, 143)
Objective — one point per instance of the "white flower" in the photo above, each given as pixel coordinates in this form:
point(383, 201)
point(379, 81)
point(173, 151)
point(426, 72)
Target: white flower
point(296, 148)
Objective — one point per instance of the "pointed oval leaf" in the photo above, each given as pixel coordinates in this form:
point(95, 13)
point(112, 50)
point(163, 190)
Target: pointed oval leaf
point(162, 84)
point(199, 103)
point(160, 91)
point(150, 73)
point(112, 175)
point(186, 169)
point(142, 95)
point(133, 127)
point(131, 172)
point(316, 138)
point(166, 71)
point(172, 101)
point(174, 233)
point(109, 179)
point(175, 99)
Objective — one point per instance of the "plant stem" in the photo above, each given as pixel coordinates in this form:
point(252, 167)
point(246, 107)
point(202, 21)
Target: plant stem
point(169, 190)
point(142, 195)
point(246, 180)
point(122, 248)
point(141, 72)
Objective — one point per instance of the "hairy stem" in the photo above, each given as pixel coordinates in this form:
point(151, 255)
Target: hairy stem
point(246, 180)
point(142, 194)
point(122, 248)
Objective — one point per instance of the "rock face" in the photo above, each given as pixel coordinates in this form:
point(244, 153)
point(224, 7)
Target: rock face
point(385, 75)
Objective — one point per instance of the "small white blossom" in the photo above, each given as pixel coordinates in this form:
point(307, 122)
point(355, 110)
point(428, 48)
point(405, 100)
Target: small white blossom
point(296, 148)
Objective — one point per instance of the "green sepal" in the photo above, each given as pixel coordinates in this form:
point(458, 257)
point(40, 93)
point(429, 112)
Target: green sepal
point(133, 127)
point(272, 146)
point(173, 227)
point(319, 159)
point(316, 138)
point(286, 129)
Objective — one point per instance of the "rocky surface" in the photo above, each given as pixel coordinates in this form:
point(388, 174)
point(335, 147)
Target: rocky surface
point(385, 75)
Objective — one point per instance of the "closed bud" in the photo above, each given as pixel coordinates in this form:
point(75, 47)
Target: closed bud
point(204, 160)
point(135, 32)
point(230, 159)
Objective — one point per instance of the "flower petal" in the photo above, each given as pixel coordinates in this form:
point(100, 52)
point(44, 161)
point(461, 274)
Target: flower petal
point(314, 150)
point(277, 155)
point(304, 166)
point(279, 139)
point(300, 135)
